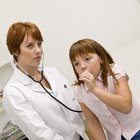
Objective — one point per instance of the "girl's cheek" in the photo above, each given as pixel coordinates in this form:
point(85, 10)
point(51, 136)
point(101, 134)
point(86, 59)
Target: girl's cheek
point(78, 72)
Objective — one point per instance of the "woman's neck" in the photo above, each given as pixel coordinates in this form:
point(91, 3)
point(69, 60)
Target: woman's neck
point(32, 71)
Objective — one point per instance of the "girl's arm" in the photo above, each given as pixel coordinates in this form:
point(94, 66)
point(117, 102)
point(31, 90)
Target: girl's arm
point(94, 128)
point(120, 100)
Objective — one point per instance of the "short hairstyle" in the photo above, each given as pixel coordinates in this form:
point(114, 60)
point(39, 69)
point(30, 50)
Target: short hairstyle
point(17, 33)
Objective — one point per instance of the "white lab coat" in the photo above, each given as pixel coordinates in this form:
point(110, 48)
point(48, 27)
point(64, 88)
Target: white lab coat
point(38, 115)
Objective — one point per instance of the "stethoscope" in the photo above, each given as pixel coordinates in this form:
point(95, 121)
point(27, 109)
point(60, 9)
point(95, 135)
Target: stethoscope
point(39, 81)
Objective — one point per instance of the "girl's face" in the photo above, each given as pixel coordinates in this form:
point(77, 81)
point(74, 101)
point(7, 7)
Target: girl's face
point(90, 62)
point(30, 53)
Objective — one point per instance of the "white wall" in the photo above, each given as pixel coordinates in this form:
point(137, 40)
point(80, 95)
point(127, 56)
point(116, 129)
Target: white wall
point(129, 58)
point(113, 23)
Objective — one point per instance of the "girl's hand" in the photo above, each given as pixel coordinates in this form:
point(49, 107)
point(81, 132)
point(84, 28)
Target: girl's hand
point(88, 79)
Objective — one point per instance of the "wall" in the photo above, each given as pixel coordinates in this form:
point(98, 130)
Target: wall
point(115, 24)
point(128, 57)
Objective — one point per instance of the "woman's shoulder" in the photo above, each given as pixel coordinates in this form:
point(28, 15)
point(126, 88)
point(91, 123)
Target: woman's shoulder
point(54, 73)
point(12, 84)
point(50, 69)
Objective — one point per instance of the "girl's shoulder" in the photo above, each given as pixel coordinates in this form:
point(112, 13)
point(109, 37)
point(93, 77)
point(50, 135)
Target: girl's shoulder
point(118, 70)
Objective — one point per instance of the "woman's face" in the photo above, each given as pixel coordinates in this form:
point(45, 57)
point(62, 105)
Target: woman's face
point(30, 53)
point(90, 62)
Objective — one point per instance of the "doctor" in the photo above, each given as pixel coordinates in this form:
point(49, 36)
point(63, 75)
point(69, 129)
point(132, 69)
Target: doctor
point(28, 96)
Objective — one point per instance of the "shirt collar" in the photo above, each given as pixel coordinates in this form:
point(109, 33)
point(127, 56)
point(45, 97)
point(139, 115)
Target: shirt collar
point(22, 77)
point(26, 80)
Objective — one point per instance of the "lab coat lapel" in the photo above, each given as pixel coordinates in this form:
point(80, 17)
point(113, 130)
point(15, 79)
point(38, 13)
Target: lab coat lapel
point(37, 88)
point(26, 80)
point(21, 77)
point(47, 74)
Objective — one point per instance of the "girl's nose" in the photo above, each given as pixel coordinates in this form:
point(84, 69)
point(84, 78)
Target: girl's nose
point(83, 67)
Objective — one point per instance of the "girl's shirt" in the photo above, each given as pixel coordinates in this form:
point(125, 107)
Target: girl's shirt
point(115, 123)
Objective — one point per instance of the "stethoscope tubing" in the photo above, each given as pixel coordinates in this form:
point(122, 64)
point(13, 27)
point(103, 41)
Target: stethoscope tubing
point(42, 76)
point(39, 81)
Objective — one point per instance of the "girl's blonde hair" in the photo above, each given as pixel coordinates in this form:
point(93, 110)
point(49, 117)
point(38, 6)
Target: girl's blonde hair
point(86, 46)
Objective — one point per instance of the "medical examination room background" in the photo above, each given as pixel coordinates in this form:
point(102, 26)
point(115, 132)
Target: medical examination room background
point(113, 23)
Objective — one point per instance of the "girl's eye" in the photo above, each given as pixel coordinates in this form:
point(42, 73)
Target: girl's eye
point(87, 58)
point(75, 64)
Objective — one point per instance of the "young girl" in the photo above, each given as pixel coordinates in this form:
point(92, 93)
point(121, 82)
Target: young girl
point(102, 86)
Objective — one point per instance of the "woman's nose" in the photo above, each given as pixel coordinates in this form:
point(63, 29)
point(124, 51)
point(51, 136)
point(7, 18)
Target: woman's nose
point(37, 49)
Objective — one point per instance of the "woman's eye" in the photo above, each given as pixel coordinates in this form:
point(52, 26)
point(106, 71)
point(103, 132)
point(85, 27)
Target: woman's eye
point(30, 46)
point(40, 44)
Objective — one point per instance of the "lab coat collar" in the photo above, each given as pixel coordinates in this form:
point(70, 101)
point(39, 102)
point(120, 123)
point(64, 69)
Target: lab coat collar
point(21, 77)
point(26, 80)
